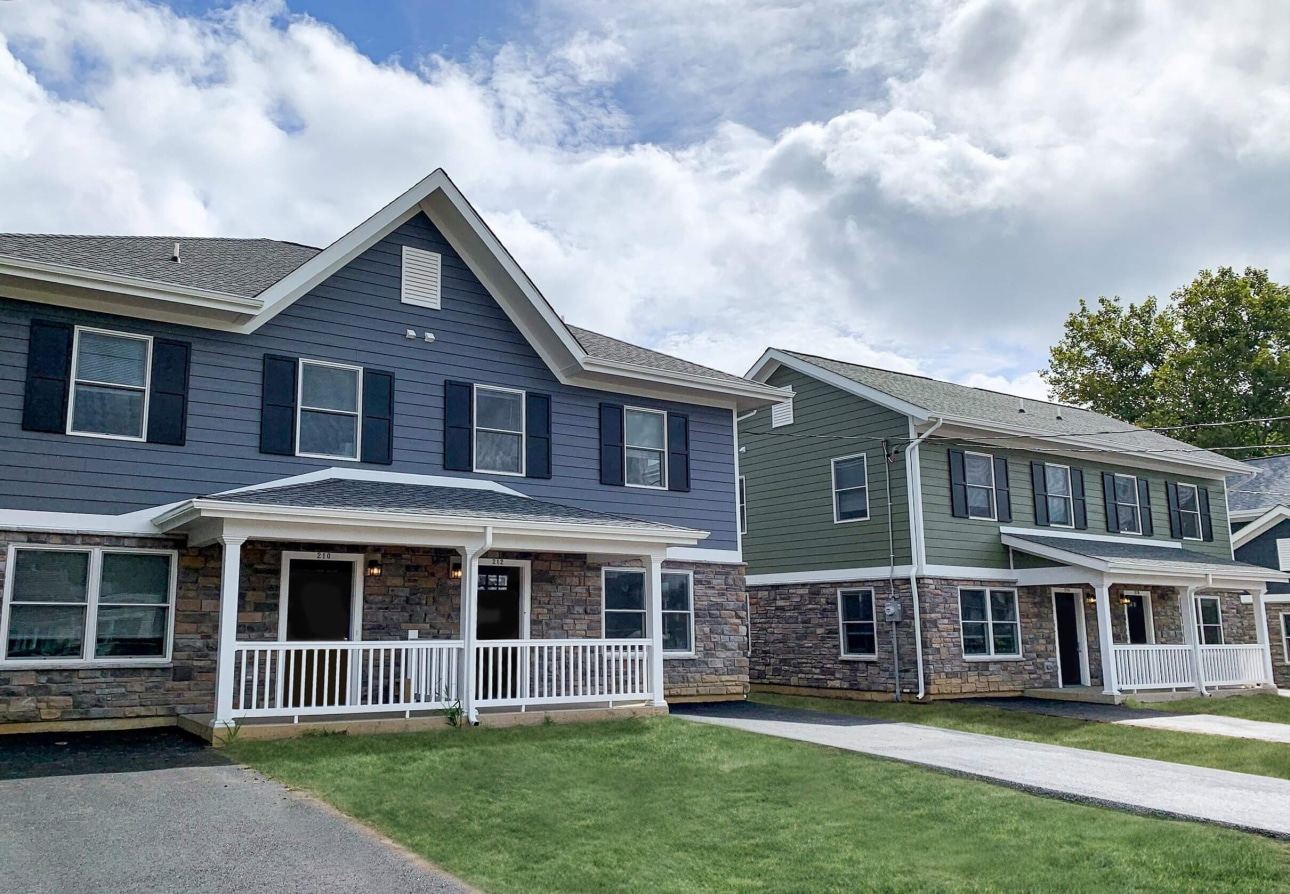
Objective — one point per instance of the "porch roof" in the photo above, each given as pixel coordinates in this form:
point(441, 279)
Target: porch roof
point(1117, 556)
point(466, 507)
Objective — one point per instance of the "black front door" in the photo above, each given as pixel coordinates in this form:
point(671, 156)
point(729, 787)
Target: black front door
point(500, 609)
point(1068, 638)
point(319, 606)
point(1135, 615)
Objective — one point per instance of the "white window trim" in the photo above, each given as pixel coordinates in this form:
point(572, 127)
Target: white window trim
point(1069, 497)
point(741, 504)
point(476, 428)
point(989, 624)
point(1285, 636)
point(994, 494)
point(1148, 616)
point(627, 446)
point(356, 593)
point(843, 654)
point(604, 573)
point(358, 414)
point(93, 585)
point(674, 653)
point(1200, 527)
point(1200, 626)
point(1283, 554)
point(147, 384)
point(1137, 503)
point(833, 481)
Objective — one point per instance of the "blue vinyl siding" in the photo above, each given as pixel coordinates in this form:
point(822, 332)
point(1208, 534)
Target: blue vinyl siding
point(1262, 550)
point(354, 317)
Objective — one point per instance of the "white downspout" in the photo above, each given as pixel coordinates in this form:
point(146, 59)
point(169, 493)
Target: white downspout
point(469, 597)
point(740, 534)
point(915, 487)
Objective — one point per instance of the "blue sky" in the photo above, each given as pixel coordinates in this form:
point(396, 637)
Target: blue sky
point(925, 185)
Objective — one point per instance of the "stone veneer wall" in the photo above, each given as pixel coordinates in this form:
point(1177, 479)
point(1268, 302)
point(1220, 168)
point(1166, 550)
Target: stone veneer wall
point(185, 686)
point(1280, 651)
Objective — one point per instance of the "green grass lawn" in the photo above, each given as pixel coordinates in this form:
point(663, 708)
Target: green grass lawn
point(670, 805)
point(1220, 752)
point(1270, 708)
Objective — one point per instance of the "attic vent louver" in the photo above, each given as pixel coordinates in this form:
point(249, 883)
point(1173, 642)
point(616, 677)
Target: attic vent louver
point(421, 273)
point(781, 414)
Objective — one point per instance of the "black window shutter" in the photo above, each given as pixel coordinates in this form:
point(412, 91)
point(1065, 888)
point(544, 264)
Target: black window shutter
point(1175, 516)
point(1002, 490)
point(1206, 522)
point(678, 452)
point(1144, 507)
point(1040, 484)
point(49, 371)
point(537, 447)
point(278, 406)
point(458, 417)
point(168, 402)
point(611, 444)
point(378, 417)
point(1077, 499)
point(958, 485)
point(1108, 495)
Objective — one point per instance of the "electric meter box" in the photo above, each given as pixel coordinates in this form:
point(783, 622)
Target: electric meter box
point(892, 611)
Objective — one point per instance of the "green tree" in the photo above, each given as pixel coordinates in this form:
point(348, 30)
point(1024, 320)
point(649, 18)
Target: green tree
point(1217, 351)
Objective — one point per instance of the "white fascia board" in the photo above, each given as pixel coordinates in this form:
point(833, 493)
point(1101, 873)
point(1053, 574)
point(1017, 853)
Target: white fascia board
point(774, 358)
point(1146, 570)
point(751, 394)
point(1069, 534)
point(713, 556)
point(78, 277)
point(1054, 554)
point(1057, 577)
point(133, 523)
point(1261, 525)
point(375, 475)
point(827, 576)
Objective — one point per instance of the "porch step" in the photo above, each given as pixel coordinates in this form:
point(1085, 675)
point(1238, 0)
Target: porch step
point(1086, 694)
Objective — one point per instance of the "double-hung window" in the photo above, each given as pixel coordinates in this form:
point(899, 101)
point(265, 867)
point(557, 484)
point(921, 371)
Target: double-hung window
point(1061, 512)
point(645, 443)
point(990, 623)
point(978, 473)
point(110, 384)
point(499, 430)
point(626, 617)
point(330, 407)
point(1209, 621)
point(850, 489)
point(858, 624)
point(1127, 511)
point(88, 604)
point(678, 612)
point(1189, 511)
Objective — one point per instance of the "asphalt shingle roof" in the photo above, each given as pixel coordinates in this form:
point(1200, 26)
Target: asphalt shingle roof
point(431, 500)
point(1145, 556)
point(606, 348)
point(1042, 417)
point(1270, 487)
point(242, 267)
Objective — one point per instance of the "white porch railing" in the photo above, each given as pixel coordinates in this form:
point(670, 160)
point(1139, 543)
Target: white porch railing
point(1172, 667)
point(308, 678)
point(524, 672)
point(1232, 665)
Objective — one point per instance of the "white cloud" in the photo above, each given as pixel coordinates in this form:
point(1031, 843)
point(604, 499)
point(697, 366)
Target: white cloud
point(924, 187)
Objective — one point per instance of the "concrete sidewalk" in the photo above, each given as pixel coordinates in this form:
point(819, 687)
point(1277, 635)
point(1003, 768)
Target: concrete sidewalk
point(1239, 800)
point(1216, 725)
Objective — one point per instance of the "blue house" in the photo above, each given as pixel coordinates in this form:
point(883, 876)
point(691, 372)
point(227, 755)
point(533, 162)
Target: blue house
point(249, 481)
point(1260, 511)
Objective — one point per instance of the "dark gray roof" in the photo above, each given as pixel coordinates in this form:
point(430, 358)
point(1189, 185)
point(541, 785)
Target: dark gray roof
point(994, 407)
point(431, 500)
point(605, 348)
point(1270, 487)
point(242, 267)
point(1147, 556)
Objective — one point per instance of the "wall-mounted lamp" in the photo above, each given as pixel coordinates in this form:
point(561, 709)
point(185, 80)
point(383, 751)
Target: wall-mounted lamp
point(373, 567)
point(1125, 599)
point(1090, 599)
point(454, 568)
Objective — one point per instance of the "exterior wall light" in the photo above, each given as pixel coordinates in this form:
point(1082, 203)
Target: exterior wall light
point(373, 567)
point(454, 568)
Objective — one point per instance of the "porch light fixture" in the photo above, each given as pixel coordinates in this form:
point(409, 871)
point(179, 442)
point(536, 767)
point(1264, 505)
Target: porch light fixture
point(454, 568)
point(1090, 599)
point(1124, 599)
point(373, 567)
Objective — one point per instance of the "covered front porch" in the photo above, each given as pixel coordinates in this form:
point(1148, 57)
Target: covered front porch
point(1165, 619)
point(344, 601)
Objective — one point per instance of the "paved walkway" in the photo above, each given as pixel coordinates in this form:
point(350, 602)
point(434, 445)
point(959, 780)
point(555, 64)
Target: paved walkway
point(1216, 725)
point(1255, 803)
point(154, 812)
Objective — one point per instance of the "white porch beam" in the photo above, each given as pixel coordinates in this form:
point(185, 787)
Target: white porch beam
point(654, 606)
point(1187, 608)
point(1261, 631)
point(230, 584)
point(1102, 593)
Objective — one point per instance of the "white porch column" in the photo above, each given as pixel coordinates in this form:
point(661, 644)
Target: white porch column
point(230, 584)
point(1102, 592)
point(1187, 608)
point(654, 607)
point(1261, 630)
point(469, 587)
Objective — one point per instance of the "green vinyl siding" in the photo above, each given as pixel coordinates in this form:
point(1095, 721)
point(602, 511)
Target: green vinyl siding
point(788, 482)
point(969, 541)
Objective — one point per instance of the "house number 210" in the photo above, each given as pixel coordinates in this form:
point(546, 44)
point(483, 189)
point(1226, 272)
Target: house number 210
point(322, 556)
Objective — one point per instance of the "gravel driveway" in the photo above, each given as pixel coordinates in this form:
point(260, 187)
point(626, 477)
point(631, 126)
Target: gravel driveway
point(153, 811)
